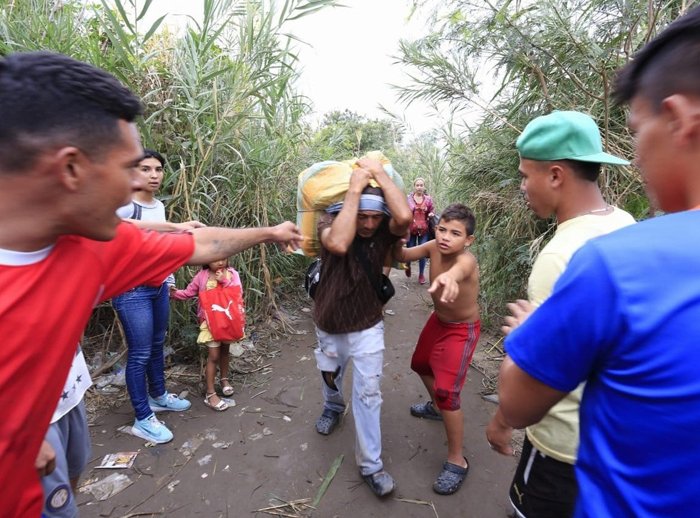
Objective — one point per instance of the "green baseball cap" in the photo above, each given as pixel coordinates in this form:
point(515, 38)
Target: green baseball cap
point(564, 135)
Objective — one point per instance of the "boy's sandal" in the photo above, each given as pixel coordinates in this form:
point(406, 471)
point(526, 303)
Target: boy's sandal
point(450, 478)
point(226, 390)
point(426, 411)
point(219, 407)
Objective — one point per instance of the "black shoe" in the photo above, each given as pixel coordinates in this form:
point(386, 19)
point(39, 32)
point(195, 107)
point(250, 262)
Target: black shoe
point(381, 483)
point(327, 422)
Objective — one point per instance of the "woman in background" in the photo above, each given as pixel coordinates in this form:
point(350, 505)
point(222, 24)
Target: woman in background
point(422, 206)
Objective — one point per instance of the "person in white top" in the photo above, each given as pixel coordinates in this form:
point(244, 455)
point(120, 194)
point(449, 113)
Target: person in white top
point(144, 312)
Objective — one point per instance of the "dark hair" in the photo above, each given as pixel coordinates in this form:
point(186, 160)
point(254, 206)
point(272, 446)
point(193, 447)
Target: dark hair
point(149, 153)
point(377, 191)
point(668, 64)
point(584, 170)
point(206, 266)
point(48, 99)
point(459, 212)
point(370, 189)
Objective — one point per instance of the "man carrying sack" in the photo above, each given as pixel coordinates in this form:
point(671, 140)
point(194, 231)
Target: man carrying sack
point(356, 237)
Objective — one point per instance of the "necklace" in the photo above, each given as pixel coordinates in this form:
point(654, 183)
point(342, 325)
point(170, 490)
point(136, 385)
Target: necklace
point(602, 210)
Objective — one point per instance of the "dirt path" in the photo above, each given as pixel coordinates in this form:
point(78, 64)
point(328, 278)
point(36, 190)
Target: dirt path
point(265, 451)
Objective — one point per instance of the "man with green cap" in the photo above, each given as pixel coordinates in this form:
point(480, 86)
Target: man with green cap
point(560, 160)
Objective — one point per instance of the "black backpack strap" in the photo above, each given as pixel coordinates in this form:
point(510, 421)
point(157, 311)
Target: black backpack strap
point(137, 211)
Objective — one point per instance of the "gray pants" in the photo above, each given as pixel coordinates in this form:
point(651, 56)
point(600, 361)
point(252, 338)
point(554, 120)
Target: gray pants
point(366, 349)
point(70, 439)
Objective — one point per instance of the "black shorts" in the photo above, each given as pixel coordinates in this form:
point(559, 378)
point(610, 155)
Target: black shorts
point(542, 487)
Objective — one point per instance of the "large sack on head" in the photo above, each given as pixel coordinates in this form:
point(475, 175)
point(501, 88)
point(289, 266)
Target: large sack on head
point(324, 184)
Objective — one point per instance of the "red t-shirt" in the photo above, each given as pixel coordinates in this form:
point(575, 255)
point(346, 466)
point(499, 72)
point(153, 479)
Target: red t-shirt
point(44, 308)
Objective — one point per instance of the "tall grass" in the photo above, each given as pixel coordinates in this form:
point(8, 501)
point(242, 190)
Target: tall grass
point(514, 61)
point(220, 105)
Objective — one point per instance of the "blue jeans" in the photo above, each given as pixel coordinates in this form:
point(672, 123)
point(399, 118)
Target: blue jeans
point(415, 241)
point(144, 312)
point(366, 350)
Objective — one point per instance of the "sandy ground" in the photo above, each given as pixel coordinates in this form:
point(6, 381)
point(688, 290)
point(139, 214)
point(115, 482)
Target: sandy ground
point(265, 451)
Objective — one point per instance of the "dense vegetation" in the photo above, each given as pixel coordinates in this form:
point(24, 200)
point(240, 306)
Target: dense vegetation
point(512, 61)
point(221, 105)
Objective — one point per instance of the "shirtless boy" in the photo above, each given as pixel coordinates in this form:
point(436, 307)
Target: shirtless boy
point(448, 340)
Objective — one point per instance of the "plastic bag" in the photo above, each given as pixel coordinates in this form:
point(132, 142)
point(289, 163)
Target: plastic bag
point(108, 486)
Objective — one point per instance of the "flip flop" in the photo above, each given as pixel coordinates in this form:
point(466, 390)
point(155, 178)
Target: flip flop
point(219, 407)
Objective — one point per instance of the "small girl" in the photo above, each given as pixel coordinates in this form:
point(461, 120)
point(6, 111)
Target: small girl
point(212, 274)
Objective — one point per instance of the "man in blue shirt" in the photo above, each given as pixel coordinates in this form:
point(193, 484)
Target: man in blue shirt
point(625, 315)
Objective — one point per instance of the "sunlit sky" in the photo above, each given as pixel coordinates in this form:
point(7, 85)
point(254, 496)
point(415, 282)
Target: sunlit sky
point(347, 59)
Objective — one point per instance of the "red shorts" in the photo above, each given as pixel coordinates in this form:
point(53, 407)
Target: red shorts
point(444, 351)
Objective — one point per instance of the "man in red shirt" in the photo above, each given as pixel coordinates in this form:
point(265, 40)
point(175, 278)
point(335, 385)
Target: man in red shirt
point(68, 152)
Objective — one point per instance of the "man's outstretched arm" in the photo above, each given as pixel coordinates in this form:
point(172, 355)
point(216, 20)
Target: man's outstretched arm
point(213, 243)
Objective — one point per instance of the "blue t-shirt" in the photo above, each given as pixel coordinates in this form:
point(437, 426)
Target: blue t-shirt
point(625, 318)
